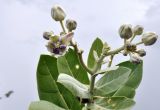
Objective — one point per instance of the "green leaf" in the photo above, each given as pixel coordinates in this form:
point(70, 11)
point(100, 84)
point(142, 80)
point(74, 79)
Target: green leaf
point(111, 81)
point(136, 74)
point(70, 64)
point(113, 103)
point(96, 47)
point(48, 65)
point(78, 89)
point(49, 89)
point(125, 91)
point(133, 82)
point(44, 105)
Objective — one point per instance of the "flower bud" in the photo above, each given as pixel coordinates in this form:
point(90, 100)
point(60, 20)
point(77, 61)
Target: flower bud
point(141, 52)
point(135, 58)
point(149, 38)
point(47, 35)
point(125, 31)
point(57, 13)
point(138, 30)
point(71, 24)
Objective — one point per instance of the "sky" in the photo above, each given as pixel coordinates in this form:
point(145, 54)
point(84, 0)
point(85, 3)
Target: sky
point(22, 23)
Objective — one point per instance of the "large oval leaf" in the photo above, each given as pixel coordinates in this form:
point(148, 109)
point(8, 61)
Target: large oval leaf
point(97, 47)
point(44, 105)
point(70, 64)
point(111, 81)
point(136, 73)
point(133, 82)
point(49, 89)
point(113, 103)
point(78, 89)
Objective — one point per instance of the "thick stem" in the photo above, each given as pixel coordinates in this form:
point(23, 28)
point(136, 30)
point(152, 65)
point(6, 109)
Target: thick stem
point(62, 25)
point(93, 77)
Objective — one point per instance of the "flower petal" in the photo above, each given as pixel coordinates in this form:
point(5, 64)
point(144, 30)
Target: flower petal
point(67, 38)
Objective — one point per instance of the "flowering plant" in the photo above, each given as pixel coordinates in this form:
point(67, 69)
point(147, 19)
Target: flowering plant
point(65, 82)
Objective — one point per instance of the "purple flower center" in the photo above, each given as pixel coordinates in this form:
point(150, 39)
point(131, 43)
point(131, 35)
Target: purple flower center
point(56, 50)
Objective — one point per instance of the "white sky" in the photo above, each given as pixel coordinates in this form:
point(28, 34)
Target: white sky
point(22, 23)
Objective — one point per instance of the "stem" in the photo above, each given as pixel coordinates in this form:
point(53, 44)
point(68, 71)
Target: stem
point(79, 53)
point(132, 37)
point(116, 51)
point(139, 43)
point(110, 63)
point(93, 77)
point(62, 25)
point(112, 53)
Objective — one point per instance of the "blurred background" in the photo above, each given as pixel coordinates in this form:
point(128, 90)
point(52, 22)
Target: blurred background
point(22, 23)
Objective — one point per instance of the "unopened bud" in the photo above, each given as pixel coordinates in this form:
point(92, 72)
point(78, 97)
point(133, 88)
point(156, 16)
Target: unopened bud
point(71, 24)
point(149, 38)
point(47, 35)
point(58, 13)
point(141, 52)
point(125, 31)
point(135, 58)
point(138, 30)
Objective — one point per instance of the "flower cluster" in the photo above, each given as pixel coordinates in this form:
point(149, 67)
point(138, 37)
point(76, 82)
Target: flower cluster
point(128, 33)
point(57, 44)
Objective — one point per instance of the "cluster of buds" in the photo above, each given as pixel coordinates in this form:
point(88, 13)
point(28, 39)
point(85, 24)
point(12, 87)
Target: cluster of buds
point(58, 14)
point(57, 44)
point(128, 33)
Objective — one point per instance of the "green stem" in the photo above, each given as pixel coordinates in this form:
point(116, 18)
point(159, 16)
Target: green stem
point(62, 25)
point(93, 77)
point(139, 43)
point(116, 51)
point(99, 62)
point(110, 63)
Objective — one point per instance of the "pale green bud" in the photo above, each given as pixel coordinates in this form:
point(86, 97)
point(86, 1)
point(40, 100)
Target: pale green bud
point(47, 35)
point(138, 30)
point(125, 31)
point(58, 13)
point(71, 24)
point(149, 38)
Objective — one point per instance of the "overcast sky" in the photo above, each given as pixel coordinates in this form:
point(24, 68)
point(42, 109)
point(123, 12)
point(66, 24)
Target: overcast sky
point(22, 23)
